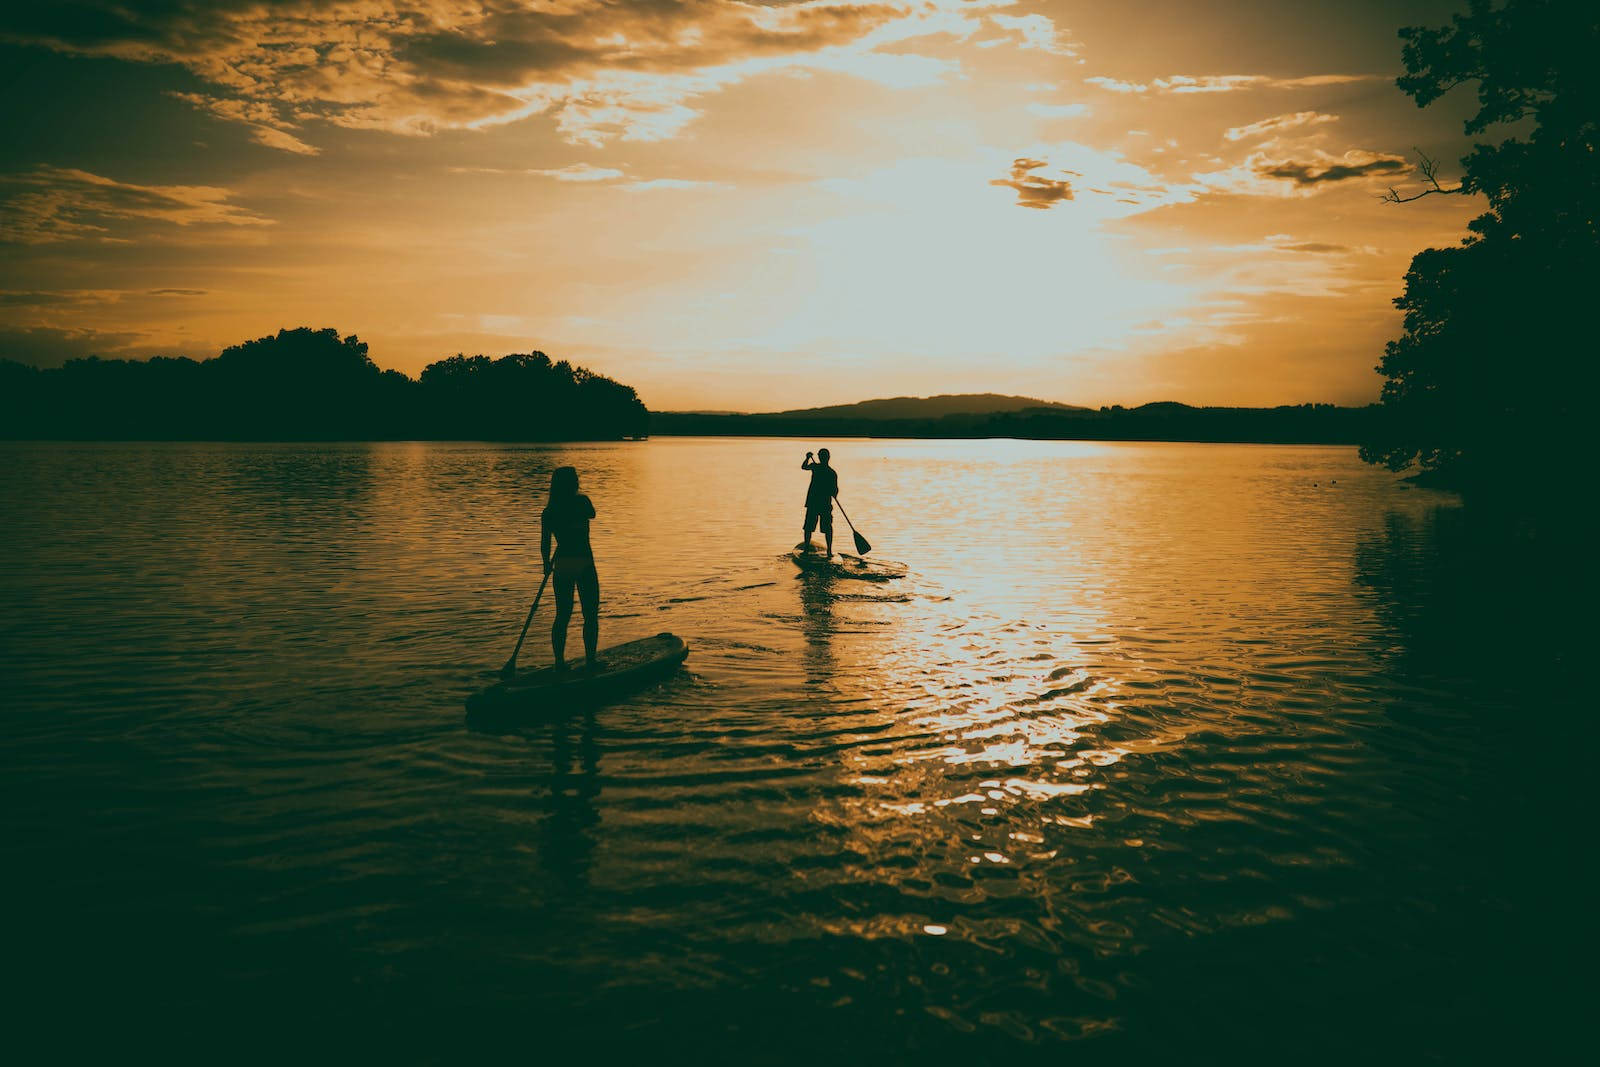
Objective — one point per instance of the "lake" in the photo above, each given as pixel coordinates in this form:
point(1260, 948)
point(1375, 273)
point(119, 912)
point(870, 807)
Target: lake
point(1157, 751)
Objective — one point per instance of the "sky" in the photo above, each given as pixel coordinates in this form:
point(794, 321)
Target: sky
point(733, 206)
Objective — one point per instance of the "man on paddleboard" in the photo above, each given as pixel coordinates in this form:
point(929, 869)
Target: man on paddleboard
point(819, 498)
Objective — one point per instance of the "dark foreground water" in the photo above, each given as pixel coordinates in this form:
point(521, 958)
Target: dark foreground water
point(1160, 753)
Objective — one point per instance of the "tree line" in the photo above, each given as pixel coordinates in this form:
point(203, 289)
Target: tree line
point(306, 384)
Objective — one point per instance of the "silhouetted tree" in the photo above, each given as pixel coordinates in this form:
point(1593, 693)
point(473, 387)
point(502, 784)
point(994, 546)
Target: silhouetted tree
point(298, 384)
point(306, 384)
point(1484, 386)
point(526, 396)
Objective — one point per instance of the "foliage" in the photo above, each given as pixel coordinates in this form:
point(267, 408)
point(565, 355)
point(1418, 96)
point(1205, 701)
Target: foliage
point(1483, 386)
point(308, 384)
point(474, 396)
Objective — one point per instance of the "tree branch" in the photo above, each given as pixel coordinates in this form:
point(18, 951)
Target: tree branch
point(1430, 171)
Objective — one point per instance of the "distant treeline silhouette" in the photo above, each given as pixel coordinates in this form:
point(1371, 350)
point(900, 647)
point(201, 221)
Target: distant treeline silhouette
point(1299, 424)
point(306, 384)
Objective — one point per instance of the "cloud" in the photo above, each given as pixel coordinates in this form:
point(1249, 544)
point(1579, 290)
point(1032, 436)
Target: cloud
point(44, 346)
point(1103, 182)
point(1036, 32)
point(1270, 175)
point(1115, 86)
point(53, 204)
point(266, 126)
point(1319, 248)
point(1317, 80)
point(282, 140)
point(1279, 123)
point(586, 172)
point(603, 70)
point(1224, 83)
point(1034, 190)
point(581, 172)
point(1058, 111)
point(1283, 242)
point(1325, 168)
point(81, 298)
point(48, 298)
point(671, 183)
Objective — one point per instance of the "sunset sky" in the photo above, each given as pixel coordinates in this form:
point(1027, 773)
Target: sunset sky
point(748, 206)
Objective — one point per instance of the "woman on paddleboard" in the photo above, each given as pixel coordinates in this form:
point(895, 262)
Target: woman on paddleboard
point(566, 519)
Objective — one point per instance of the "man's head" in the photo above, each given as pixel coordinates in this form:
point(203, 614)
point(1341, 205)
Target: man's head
point(822, 454)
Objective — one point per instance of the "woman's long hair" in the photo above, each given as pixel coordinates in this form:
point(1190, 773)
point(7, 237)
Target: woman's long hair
point(563, 484)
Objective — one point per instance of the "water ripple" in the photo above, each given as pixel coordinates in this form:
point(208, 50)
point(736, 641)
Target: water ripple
point(1131, 710)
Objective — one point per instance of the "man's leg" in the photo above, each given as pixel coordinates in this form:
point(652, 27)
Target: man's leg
point(827, 529)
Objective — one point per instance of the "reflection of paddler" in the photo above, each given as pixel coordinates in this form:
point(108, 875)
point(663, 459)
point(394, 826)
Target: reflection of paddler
point(819, 498)
point(566, 518)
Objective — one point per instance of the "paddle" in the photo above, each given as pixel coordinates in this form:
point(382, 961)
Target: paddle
point(862, 545)
point(510, 669)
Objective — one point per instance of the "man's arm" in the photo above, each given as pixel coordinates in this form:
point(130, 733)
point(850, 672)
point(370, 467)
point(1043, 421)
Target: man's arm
point(806, 463)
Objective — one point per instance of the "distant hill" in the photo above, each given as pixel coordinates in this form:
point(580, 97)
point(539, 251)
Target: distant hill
point(926, 407)
point(977, 416)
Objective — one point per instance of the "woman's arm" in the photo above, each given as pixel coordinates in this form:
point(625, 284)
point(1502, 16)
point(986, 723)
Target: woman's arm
point(544, 544)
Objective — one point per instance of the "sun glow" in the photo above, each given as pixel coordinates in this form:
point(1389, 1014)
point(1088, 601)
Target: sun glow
point(728, 206)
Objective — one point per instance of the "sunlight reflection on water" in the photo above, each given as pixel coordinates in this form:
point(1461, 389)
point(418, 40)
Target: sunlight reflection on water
point(1129, 701)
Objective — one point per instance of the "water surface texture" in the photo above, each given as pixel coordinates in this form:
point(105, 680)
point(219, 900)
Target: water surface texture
point(1157, 751)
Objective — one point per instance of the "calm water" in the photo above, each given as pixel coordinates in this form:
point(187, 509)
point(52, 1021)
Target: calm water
point(1159, 751)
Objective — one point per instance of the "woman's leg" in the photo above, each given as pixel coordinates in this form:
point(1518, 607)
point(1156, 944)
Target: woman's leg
point(564, 582)
point(589, 597)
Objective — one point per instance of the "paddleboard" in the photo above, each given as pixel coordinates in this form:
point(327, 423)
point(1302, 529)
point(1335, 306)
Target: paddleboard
point(843, 565)
point(623, 669)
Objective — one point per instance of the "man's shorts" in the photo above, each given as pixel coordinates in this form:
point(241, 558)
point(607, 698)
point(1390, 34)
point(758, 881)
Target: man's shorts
point(820, 514)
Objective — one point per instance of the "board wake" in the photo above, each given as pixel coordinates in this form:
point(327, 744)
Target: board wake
point(844, 565)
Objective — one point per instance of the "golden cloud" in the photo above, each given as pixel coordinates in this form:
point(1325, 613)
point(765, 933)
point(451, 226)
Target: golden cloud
point(603, 70)
point(1268, 175)
point(53, 204)
point(1279, 124)
point(1035, 190)
point(1224, 83)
